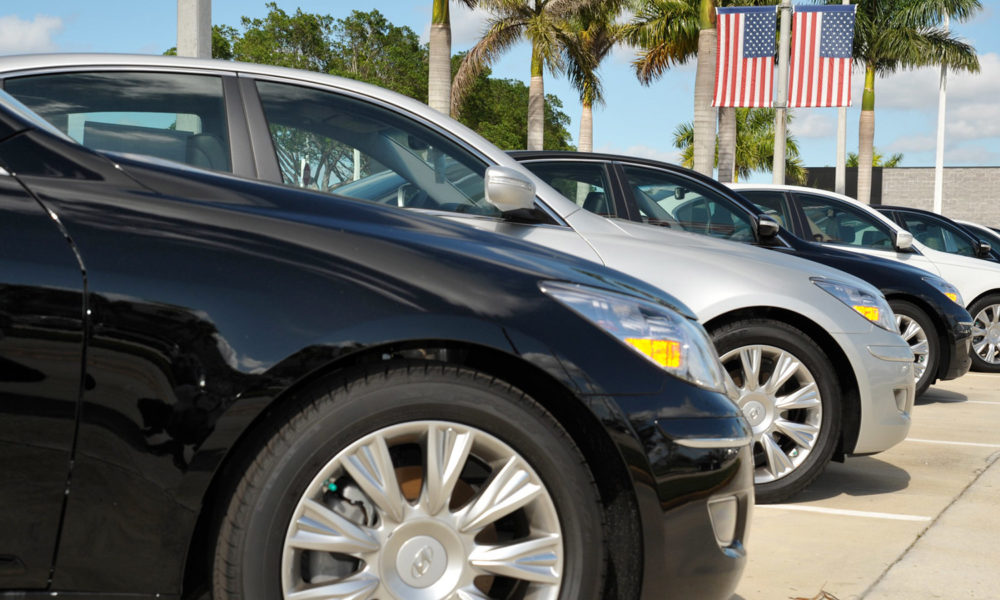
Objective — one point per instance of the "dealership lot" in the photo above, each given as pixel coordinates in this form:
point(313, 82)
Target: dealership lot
point(918, 521)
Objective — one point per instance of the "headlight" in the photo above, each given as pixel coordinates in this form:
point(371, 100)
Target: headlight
point(872, 307)
point(678, 345)
point(945, 288)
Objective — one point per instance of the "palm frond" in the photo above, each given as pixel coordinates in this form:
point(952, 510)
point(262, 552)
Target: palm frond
point(500, 36)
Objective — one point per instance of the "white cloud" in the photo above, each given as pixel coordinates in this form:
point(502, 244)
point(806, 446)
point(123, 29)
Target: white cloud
point(467, 25)
point(642, 151)
point(913, 143)
point(972, 121)
point(810, 124)
point(18, 36)
point(972, 156)
point(918, 89)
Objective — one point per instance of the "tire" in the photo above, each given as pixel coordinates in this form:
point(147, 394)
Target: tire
point(316, 505)
point(919, 332)
point(796, 426)
point(986, 334)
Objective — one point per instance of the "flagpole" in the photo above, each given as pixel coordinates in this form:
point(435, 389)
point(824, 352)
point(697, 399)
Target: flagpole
point(840, 181)
point(939, 155)
point(781, 101)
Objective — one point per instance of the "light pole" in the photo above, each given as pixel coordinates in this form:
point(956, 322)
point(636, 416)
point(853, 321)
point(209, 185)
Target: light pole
point(194, 28)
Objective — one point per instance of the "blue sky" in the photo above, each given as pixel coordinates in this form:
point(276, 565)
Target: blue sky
point(636, 119)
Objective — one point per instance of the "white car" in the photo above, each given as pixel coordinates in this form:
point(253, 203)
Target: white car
point(813, 354)
point(836, 219)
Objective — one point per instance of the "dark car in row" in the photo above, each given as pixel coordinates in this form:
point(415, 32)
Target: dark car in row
point(216, 385)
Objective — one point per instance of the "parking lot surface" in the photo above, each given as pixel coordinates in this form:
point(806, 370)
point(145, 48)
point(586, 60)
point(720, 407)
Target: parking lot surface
point(919, 521)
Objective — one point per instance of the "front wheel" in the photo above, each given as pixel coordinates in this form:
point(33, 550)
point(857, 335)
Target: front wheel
point(916, 328)
point(789, 394)
point(421, 481)
point(986, 334)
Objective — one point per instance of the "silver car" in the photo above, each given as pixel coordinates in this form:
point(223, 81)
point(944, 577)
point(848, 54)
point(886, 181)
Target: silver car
point(812, 353)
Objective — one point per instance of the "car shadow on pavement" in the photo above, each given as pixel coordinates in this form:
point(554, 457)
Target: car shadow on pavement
point(939, 396)
point(858, 476)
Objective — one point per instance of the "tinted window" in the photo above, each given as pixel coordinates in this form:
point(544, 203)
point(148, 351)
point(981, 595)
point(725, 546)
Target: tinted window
point(837, 222)
point(774, 204)
point(667, 199)
point(585, 183)
point(166, 115)
point(332, 143)
point(937, 234)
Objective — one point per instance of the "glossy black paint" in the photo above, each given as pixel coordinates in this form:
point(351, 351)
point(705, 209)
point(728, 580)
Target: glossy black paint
point(896, 213)
point(176, 306)
point(895, 280)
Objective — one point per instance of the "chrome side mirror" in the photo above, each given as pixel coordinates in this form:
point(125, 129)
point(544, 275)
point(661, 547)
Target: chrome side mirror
point(767, 227)
point(508, 189)
point(904, 241)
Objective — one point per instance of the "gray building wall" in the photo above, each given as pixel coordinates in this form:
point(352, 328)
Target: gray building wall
point(970, 193)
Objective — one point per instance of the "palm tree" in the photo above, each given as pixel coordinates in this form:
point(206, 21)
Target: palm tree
point(901, 34)
point(545, 24)
point(595, 34)
point(878, 159)
point(439, 56)
point(754, 148)
point(670, 32)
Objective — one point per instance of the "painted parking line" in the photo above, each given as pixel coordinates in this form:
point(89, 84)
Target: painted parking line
point(845, 513)
point(948, 443)
point(980, 402)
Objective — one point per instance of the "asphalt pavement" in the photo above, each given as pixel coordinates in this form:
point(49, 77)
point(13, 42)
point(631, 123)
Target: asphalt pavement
point(920, 521)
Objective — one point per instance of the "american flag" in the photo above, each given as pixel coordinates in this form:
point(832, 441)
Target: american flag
point(744, 72)
point(821, 56)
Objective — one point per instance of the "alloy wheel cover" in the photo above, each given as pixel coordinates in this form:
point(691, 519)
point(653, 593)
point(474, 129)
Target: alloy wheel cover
point(432, 546)
point(916, 337)
point(986, 334)
point(781, 401)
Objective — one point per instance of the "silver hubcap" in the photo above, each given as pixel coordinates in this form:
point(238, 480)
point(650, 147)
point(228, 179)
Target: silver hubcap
point(916, 337)
point(426, 510)
point(986, 334)
point(781, 401)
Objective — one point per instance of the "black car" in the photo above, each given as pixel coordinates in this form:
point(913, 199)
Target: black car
point(938, 329)
point(214, 385)
point(941, 233)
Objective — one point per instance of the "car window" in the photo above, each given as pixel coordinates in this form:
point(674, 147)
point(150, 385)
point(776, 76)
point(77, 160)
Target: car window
point(332, 143)
point(833, 221)
point(172, 116)
point(585, 183)
point(937, 234)
point(773, 203)
point(667, 199)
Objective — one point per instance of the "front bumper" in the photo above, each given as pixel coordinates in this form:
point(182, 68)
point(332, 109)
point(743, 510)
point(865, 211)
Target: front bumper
point(696, 506)
point(883, 367)
point(959, 352)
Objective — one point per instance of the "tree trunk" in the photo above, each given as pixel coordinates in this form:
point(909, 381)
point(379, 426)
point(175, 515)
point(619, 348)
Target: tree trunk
point(866, 138)
point(727, 144)
point(439, 59)
point(587, 128)
point(704, 113)
point(536, 104)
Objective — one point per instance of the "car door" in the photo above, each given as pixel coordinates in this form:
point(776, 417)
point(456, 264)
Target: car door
point(41, 356)
point(835, 222)
point(330, 141)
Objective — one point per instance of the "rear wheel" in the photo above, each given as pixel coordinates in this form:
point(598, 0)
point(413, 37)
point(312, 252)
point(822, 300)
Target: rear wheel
point(916, 328)
point(986, 334)
point(789, 393)
point(422, 481)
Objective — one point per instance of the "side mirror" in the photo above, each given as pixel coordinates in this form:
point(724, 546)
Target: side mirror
point(904, 241)
point(767, 227)
point(679, 193)
point(983, 249)
point(508, 189)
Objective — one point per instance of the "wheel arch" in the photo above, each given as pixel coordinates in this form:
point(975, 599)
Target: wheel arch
point(584, 428)
point(944, 347)
point(850, 421)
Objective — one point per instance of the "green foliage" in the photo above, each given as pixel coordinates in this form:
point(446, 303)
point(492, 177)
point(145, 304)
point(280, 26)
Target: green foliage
point(221, 45)
point(497, 109)
point(754, 145)
point(878, 159)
